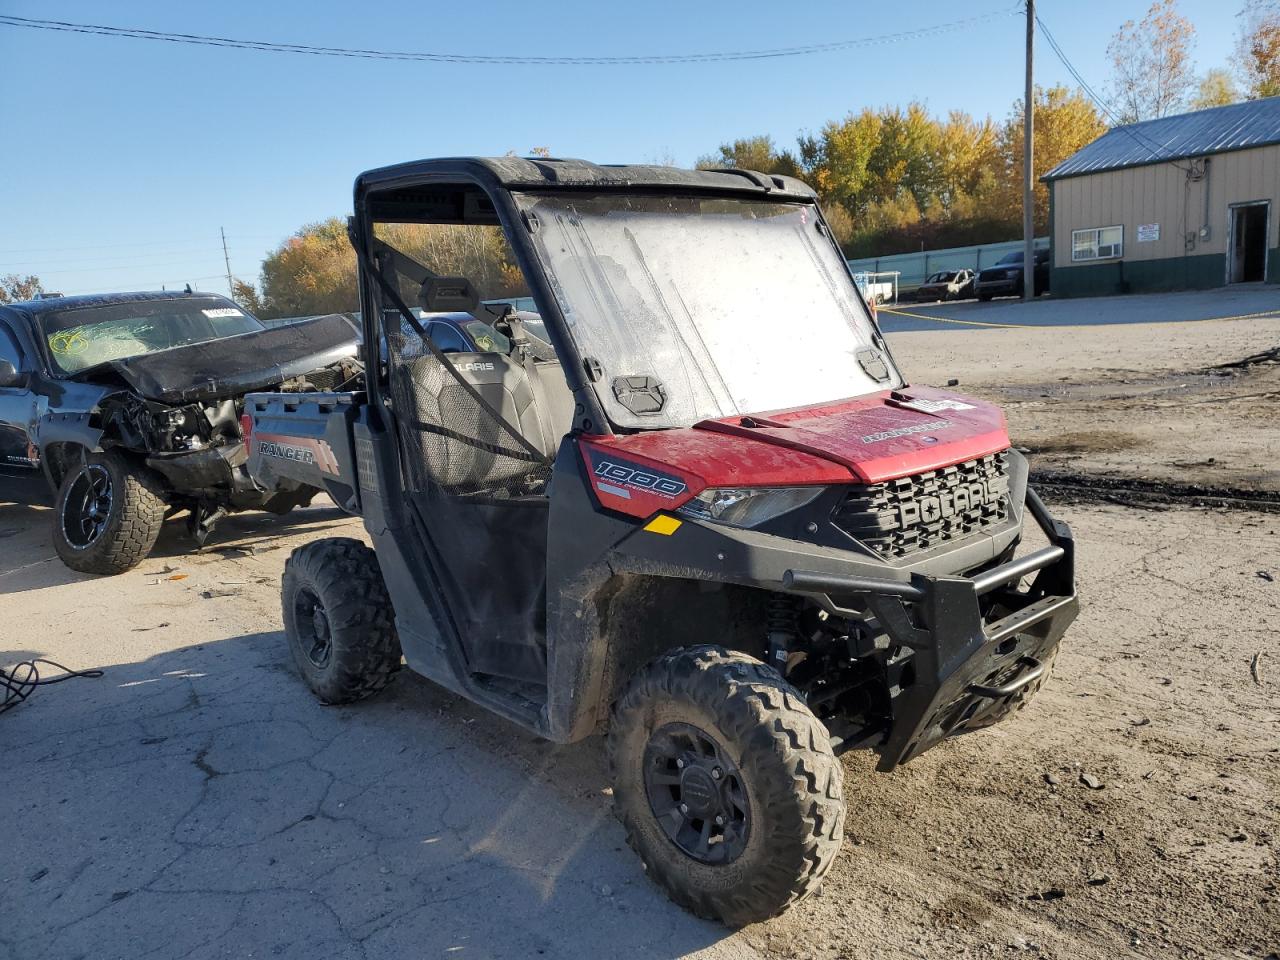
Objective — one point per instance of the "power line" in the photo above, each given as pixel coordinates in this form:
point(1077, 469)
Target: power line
point(267, 46)
point(173, 285)
point(207, 261)
point(125, 258)
point(1117, 122)
point(175, 244)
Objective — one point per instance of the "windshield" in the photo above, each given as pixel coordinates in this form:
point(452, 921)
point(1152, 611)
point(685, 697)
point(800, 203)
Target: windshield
point(533, 324)
point(698, 308)
point(84, 337)
point(1011, 258)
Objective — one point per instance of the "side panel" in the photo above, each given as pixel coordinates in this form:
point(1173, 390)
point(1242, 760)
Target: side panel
point(579, 541)
point(429, 637)
point(21, 479)
point(304, 438)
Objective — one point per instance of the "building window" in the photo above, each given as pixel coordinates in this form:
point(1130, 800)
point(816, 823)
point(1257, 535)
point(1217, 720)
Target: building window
point(1097, 243)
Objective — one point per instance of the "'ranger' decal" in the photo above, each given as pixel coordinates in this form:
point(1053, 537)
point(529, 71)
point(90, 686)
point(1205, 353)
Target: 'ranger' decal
point(282, 451)
point(906, 431)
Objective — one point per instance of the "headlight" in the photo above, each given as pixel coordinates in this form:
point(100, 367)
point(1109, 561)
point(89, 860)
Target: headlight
point(748, 506)
point(1012, 273)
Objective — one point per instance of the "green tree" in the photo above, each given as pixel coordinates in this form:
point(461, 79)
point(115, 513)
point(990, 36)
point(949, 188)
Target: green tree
point(14, 289)
point(752, 153)
point(1258, 48)
point(838, 160)
point(1216, 89)
point(898, 179)
point(905, 160)
point(314, 271)
point(246, 295)
point(969, 160)
point(1152, 70)
point(1065, 121)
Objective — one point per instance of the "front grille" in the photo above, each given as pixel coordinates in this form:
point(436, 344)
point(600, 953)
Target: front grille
point(989, 276)
point(904, 516)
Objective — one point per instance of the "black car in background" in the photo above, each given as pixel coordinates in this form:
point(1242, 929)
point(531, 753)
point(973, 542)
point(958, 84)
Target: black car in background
point(1005, 277)
point(466, 333)
point(123, 409)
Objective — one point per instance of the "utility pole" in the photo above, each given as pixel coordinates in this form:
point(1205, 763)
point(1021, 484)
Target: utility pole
point(1028, 185)
point(231, 291)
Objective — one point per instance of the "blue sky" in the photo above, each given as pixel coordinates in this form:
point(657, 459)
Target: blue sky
point(122, 158)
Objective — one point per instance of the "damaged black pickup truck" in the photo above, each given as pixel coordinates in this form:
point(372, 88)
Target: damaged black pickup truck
point(122, 410)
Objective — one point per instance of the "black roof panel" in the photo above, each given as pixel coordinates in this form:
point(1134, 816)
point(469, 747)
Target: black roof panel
point(536, 173)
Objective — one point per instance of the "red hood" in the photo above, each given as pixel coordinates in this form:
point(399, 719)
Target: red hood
point(868, 439)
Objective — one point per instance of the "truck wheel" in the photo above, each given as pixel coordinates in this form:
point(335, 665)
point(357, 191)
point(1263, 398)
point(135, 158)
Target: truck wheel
point(726, 784)
point(338, 619)
point(108, 514)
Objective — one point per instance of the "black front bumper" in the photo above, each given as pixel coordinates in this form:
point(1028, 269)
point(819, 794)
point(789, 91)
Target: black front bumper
point(999, 288)
point(967, 669)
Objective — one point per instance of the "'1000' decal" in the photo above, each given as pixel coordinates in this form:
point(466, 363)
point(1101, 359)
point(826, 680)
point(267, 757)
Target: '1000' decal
point(619, 479)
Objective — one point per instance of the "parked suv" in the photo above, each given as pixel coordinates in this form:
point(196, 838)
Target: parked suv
point(1005, 278)
point(122, 409)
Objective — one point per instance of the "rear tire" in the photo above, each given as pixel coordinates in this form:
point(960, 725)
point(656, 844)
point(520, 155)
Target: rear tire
point(779, 794)
point(108, 514)
point(338, 619)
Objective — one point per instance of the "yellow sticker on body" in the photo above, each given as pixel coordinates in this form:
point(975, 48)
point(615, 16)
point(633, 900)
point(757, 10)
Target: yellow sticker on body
point(663, 524)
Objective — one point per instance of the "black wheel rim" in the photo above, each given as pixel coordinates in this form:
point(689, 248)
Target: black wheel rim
point(315, 634)
point(87, 506)
point(696, 793)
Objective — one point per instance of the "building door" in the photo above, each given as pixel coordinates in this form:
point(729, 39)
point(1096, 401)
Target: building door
point(1247, 257)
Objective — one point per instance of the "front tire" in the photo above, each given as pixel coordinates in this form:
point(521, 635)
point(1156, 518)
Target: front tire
point(338, 620)
point(726, 784)
point(108, 514)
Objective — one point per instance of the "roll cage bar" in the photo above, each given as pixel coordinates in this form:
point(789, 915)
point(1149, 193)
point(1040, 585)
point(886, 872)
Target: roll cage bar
point(478, 191)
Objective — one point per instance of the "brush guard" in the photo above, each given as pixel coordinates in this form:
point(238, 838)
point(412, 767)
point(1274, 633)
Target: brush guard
point(968, 670)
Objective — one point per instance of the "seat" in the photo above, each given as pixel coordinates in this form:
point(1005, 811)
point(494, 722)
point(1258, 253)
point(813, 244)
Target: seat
point(460, 445)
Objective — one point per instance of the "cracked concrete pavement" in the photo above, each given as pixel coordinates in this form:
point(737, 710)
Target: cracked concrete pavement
point(196, 802)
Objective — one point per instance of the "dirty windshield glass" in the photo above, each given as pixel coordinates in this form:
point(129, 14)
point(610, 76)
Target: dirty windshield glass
point(81, 338)
point(697, 308)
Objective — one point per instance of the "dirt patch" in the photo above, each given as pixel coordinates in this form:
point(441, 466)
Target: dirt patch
point(996, 844)
point(1177, 403)
point(1070, 487)
point(1094, 441)
point(1199, 401)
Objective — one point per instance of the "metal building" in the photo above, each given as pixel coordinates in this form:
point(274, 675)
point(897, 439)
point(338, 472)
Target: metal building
point(1182, 202)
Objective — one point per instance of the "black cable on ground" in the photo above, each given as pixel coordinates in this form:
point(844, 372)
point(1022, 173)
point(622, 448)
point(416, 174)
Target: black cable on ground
point(20, 681)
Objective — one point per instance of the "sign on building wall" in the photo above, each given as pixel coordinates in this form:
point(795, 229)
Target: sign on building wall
point(1148, 232)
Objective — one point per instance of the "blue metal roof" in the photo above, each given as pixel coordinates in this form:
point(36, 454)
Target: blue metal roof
point(1254, 123)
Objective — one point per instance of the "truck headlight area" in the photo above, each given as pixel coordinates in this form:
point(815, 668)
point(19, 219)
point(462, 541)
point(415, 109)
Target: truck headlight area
point(748, 506)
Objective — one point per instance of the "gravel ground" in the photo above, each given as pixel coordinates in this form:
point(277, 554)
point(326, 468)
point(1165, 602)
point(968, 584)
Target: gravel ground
point(1130, 400)
point(196, 802)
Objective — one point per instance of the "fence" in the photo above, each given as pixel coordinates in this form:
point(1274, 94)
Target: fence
point(520, 303)
point(915, 267)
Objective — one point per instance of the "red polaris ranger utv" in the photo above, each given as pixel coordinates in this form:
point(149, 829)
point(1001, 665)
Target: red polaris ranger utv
point(704, 512)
